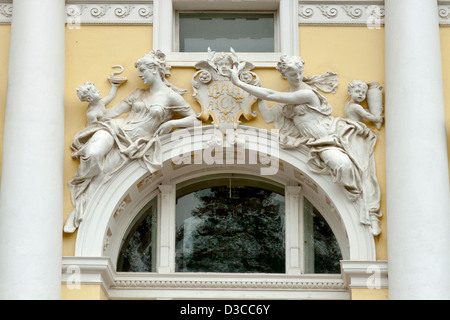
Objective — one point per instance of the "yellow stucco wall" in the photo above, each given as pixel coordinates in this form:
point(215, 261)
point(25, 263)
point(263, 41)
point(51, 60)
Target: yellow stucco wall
point(369, 294)
point(91, 52)
point(84, 292)
point(445, 49)
point(354, 53)
point(5, 31)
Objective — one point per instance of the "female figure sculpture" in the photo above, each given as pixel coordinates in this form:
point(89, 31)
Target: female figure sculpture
point(105, 147)
point(342, 148)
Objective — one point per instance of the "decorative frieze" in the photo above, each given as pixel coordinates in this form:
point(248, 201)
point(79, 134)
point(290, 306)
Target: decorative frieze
point(6, 10)
point(100, 12)
point(368, 13)
point(364, 13)
point(200, 284)
point(122, 14)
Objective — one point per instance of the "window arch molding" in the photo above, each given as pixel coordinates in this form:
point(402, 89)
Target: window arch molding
point(118, 201)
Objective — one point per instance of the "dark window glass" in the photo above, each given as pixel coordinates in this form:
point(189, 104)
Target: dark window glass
point(231, 226)
point(244, 32)
point(138, 252)
point(322, 252)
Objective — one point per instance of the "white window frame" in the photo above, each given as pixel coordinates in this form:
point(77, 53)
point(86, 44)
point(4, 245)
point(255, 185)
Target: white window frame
point(165, 30)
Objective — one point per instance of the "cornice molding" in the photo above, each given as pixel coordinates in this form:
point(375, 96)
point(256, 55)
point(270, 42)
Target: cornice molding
point(100, 271)
point(98, 12)
point(365, 274)
point(368, 13)
point(87, 13)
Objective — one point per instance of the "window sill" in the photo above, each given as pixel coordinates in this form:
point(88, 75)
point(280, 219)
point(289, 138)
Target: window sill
point(190, 59)
point(117, 285)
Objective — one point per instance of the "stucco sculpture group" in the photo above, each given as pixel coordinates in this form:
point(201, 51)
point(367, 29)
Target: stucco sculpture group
point(342, 147)
point(107, 144)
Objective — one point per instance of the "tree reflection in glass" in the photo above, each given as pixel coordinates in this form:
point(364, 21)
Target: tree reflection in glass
point(322, 252)
point(230, 230)
point(138, 251)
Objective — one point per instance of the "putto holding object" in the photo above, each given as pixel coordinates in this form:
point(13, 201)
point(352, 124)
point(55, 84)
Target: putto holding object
point(340, 147)
point(104, 147)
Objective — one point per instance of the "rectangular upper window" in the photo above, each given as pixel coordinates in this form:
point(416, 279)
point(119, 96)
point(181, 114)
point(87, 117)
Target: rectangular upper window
point(244, 32)
point(261, 31)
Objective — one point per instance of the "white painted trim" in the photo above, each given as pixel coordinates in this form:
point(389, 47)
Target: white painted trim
point(164, 29)
point(109, 13)
point(100, 271)
point(365, 274)
point(368, 13)
point(294, 230)
point(309, 12)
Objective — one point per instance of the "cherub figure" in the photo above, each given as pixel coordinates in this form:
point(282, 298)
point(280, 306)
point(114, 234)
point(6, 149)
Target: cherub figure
point(357, 89)
point(96, 110)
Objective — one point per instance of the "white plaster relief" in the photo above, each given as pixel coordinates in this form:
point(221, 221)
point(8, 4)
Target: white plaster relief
point(340, 147)
point(108, 143)
point(97, 13)
point(365, 13)
point(110, 14)
point(368, 13)
point(6, 11)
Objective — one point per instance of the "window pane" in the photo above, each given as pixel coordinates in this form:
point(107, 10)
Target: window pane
point(244, 32)
point(138, 252)
point(231, 227)
point(322, 252)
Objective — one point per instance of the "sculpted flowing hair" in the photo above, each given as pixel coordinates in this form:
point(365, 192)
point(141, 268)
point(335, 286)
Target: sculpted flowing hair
point(327, 82)
point(287, 63)
point(157, 58)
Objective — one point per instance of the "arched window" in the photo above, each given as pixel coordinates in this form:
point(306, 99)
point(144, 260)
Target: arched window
point(134, 226)
point(232, 223)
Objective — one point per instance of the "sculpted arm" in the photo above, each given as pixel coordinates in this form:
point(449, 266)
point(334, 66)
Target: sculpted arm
point(188, 116)
point(362, 113)
point(371, 117)
point(266, 112)
point(118, 109)
point(111, 95)
point(295, 97)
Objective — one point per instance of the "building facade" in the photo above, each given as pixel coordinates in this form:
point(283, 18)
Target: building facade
point(245, 183)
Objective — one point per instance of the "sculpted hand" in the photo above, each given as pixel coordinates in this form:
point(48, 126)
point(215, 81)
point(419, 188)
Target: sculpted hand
point(234, 75)
point(379, 119)
point(164, 128)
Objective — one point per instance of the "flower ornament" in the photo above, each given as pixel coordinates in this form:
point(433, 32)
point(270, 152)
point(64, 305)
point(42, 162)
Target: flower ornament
point(160, 58)
point(246, 77)
point(205, 77)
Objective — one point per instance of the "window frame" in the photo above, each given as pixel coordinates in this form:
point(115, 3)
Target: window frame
point(286, 29)
point(176, 40)
point(166, 194)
